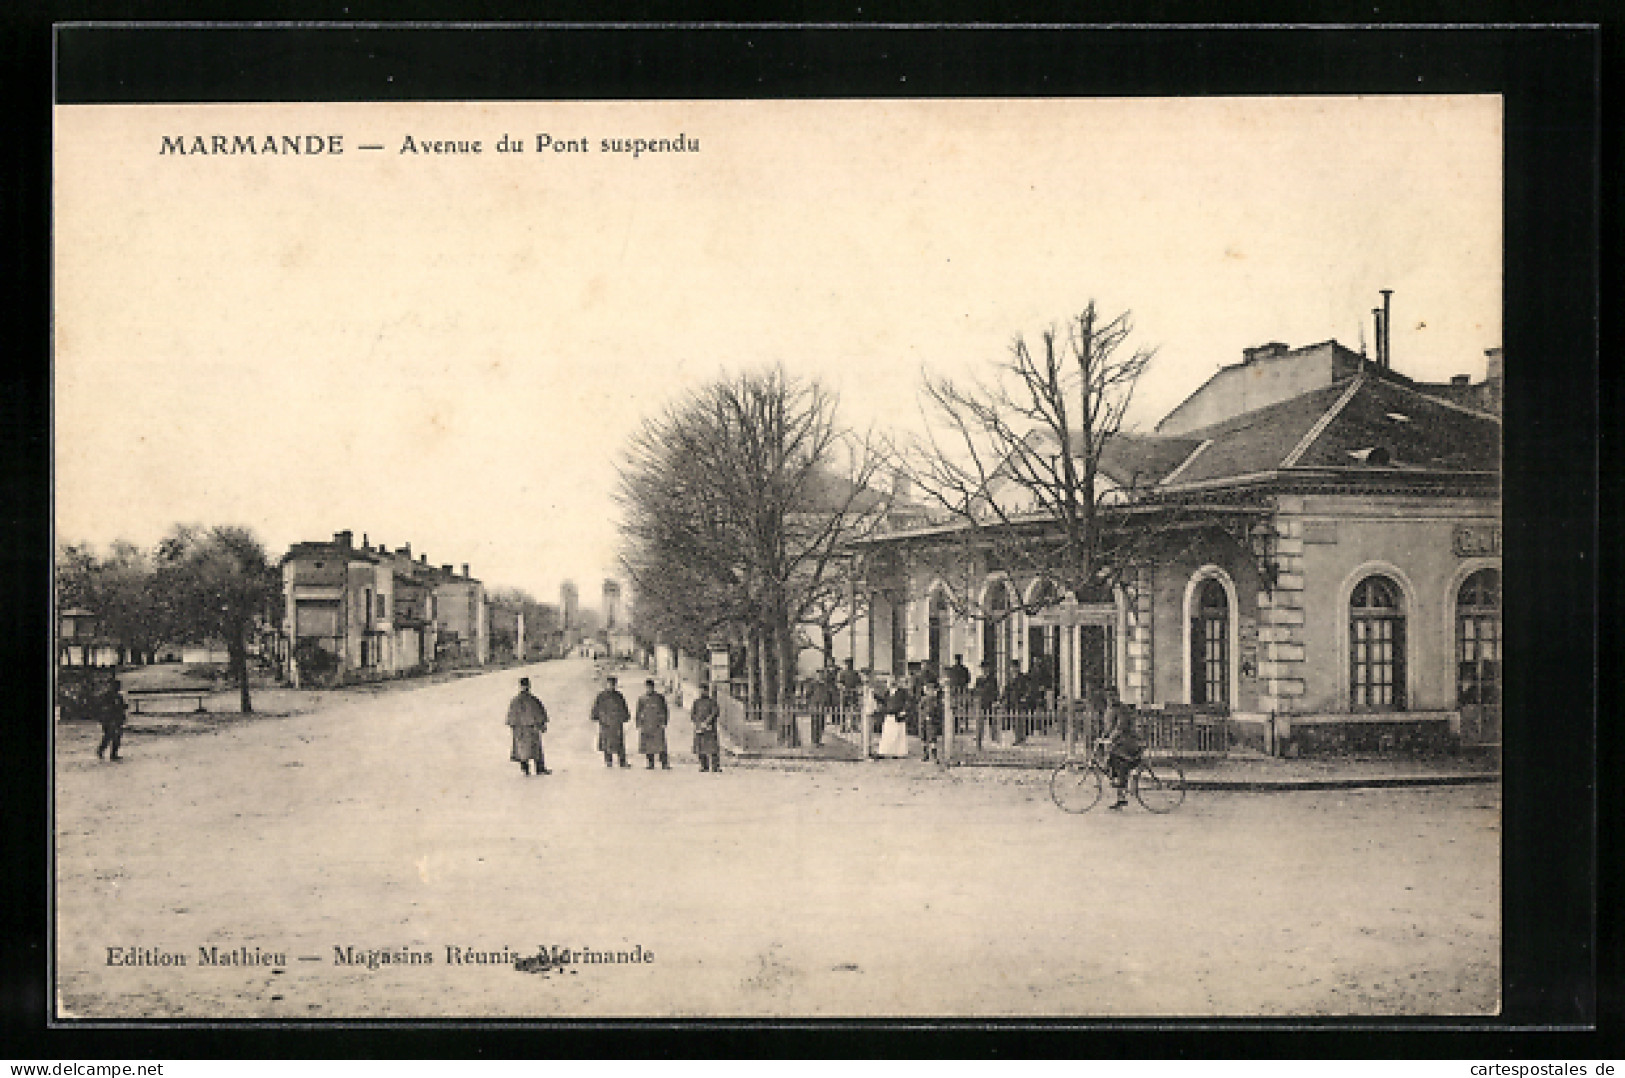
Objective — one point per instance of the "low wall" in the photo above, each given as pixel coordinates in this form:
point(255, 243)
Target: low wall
point(1344, 734)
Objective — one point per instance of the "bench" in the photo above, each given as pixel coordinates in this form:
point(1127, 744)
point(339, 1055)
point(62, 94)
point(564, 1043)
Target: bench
point(136, 696)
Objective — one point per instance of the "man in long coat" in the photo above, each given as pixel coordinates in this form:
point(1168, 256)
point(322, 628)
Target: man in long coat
point(528, 718)
point(707, 745)
point(610, 713)
point(111, 714)
point(651, 722)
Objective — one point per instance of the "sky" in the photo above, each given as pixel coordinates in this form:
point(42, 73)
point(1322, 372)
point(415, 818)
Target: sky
point(451, 350)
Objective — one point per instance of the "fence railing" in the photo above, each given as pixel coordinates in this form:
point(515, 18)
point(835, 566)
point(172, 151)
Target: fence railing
point(980, 734)
point(1046, 734)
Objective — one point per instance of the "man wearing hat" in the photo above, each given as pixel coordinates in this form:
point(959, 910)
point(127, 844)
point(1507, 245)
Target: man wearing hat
point(609, 711)
point(111, 716)
point(528, 718)
point(707, 745)
point(651, 722)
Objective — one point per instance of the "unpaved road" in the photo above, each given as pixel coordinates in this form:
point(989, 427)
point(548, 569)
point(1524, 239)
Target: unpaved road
point(397, 824)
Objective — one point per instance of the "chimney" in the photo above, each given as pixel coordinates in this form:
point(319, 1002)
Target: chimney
point(465, 568)
point(1264, 351)
point(1387, 330)
point(447, 570)
point(405, 551)
point(343, 538)
point(1492, 365)
point(423, 559)
point(1376, 321)
point(364, 544)
point(1460, 380)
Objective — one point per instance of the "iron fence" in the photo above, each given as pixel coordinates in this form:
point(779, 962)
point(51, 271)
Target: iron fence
point(1035, 737)
point(1047, 735)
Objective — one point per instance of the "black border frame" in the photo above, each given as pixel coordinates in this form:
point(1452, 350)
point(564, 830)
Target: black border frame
point(1550, 78)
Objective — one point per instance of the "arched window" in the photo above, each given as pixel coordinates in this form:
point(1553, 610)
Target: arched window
point(996, 629)
point(940, 618)
point(1376, 646)
point(1478, 640)
point(1210, 647)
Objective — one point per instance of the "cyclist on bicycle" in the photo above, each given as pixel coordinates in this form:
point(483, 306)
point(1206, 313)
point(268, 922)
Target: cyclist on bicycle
point(1123, 748)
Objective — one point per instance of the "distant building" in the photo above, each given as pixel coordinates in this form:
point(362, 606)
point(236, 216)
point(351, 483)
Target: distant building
point(357, 610)
point(570, 602)
point(544, 631)
point(613, 620)
point(460, 619)
point(508, 628)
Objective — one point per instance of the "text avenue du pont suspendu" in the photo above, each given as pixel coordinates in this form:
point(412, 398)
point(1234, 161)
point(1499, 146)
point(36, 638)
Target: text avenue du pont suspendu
point(311, 145)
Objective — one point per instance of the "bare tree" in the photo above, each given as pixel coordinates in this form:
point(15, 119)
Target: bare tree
point(1026, 463)
point(739, 503)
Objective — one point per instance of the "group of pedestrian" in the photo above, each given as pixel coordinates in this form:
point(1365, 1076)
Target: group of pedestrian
point(913, 705)
point(528, 720)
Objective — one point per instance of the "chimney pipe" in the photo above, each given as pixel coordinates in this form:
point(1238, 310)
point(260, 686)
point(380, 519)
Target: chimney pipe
point(1387, 330)
point(465, 568)
point(1376, 321)
point(364, 544)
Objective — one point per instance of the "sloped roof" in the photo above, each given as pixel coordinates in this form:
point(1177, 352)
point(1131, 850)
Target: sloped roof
point(328, 549)
point(1260, 440)
point(1326, 431)
point(1326, 428)
point(1140, 460)
point(1431, 434)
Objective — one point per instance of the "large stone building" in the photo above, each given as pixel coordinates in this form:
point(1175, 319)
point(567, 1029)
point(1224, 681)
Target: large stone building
point(1322, 565)
point(355, 610)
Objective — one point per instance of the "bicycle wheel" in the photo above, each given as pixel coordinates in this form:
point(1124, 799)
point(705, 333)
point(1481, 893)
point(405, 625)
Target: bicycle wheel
point(1075, 786)
point(1160, 787)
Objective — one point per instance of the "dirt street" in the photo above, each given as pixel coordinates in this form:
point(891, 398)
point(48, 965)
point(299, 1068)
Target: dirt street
point(397, 825)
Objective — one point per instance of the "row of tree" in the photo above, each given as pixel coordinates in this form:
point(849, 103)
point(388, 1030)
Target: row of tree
point(740, 504)
point(745, 502)
point(197, 585)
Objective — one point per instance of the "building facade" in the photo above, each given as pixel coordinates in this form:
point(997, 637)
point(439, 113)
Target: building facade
point(1322, 570)
point(358, 611)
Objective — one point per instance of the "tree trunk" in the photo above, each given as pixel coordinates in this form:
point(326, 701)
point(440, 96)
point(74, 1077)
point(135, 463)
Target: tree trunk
point(237, 649)
point(753, 668)
point(786, 640)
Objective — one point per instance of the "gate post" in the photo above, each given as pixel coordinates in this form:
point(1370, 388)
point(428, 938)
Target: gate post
point(866, 703)
point(945, 751)
point(1067, 686)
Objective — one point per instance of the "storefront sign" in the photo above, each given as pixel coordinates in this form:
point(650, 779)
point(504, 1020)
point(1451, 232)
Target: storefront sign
point(1477, 540)
point(1320, 531)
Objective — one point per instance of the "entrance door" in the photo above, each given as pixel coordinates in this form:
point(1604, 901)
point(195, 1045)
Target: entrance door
point(1210, 649)
point(1097, 659)
point(1478, 657)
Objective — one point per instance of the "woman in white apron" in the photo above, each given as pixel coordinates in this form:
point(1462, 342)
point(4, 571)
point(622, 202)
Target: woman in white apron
point(893, 734)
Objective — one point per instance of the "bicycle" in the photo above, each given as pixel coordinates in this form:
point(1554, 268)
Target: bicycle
point(1077, 785)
